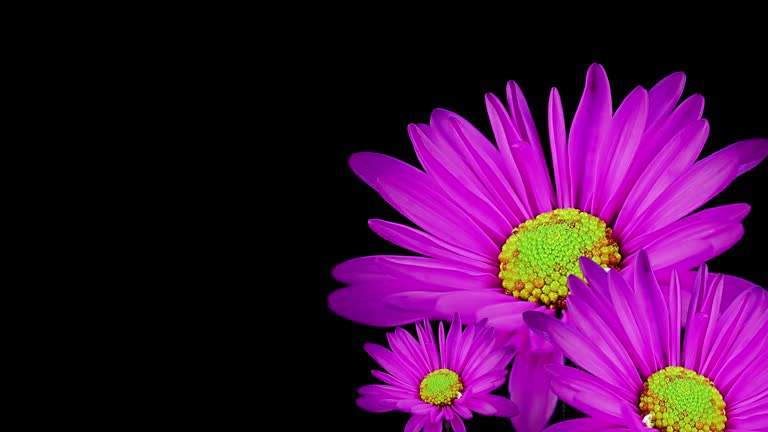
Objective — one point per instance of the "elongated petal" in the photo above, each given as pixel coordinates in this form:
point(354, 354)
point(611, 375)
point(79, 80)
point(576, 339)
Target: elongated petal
point(590, 125)
point(419, 200)
point(426, 244)
point(559, 150)
point(620, 146)
point(663, 97)
point(529, 389)
point(673, 160)
point(703, 181)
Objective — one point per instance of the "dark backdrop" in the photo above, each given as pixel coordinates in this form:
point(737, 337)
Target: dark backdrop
point(363, 100)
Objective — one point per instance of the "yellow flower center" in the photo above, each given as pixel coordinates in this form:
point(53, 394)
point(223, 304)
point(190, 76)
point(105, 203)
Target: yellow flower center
point(537, 258)
point(441, 387)
point(678, 399)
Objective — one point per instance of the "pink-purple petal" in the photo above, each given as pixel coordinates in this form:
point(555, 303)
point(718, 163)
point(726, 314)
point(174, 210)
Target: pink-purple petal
point(559, 150)
point(529, 389)
point(590, 125)
point(663, 97)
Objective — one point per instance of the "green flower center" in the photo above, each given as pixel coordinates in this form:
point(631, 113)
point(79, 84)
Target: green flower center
point(441, 387)
point(537, 258)
point(678, 399)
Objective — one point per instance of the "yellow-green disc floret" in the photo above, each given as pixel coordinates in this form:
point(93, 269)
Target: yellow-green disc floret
point(537, 258)
point(441, 387)
point(678, 399)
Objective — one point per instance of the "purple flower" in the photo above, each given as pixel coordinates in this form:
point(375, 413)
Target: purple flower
point(639, 372)
point(497, 236)
point(440, 381)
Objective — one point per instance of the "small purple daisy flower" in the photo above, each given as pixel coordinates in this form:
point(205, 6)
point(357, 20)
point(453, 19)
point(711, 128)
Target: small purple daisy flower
point(639, 371)
point(498, 233)
point(440, 381)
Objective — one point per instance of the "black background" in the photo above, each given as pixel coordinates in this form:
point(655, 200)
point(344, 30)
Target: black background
point(363, 100)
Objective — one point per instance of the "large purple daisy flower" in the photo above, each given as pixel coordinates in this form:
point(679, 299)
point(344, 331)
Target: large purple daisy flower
point(497, 236)
point(626, 335)
point(440, 381)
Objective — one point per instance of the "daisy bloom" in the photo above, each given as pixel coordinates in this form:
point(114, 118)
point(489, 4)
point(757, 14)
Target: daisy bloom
point(497, 234)
point(640, 373)
point(440, 381)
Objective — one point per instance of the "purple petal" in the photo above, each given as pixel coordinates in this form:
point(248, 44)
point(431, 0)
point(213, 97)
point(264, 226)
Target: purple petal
point(423, 243)
point(417, 198)
point(701, 182)
point(592, 324)
point(457, 424)
point(559, 150)
point(653, 140)
point(581, 425)
point(590, 125)
point(366, 304)
point(486, 166)
point(492, 405)
point(702, 224)
point(452, 179)
point(506, 133)
point(587, 393)
point(370, 166)
point(506, 316)
point(416, 423)
point(469, 303)
point(360, 270)
point(750, 153)
point(670, 163)
point(536, 165)
point(393, 364)
point(432, 271)
point(575, 346)
point(529, 389)
point(620, 146)
point(663, 97)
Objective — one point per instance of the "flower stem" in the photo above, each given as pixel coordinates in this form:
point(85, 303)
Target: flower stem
point(447, 426)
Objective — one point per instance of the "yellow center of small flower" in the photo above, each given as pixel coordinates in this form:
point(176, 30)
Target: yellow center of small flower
point(441, 387)
point(537, 258)
point(678, 399)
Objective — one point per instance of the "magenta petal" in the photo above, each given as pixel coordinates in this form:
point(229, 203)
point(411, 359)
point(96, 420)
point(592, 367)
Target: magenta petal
point(488, 404)
point(416, 423)
point(703, 181)
point(452, 179)
point(417, 199)
point(663, 97)
point(360, 270)
point(750, 153)
point(581, 425)
point(506, 134)
point(590, 125)
point(587, 393)
point(529, 389)
point(620, 146)
point(436, 272)
point(576, 347)
point(366, 304)
point(370, 166)
point(559, 150)
point(673, 160)
point(426, 244)
point(535, 163)
point(506, 316)
point(702, 225)
point(468, 304)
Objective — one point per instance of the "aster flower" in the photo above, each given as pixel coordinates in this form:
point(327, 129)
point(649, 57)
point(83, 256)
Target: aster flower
point(441, 381)
point(639, 372)
point(498, 235)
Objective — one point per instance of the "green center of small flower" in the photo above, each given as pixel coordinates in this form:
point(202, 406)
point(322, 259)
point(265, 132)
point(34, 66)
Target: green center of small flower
point(678, 399)
point(537, 258)
point(441, 387)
